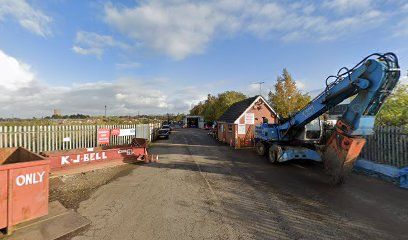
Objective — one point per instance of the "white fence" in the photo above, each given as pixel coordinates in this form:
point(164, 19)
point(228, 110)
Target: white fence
point(62, 137)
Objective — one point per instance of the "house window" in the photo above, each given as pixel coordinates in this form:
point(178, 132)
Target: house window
point(229, 127)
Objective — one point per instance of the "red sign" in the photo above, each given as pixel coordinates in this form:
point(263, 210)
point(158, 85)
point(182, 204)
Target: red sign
point(103, 136)
point(115, 132)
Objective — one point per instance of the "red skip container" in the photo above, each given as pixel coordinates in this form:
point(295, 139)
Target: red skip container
point(24, 186)
point(134, 152)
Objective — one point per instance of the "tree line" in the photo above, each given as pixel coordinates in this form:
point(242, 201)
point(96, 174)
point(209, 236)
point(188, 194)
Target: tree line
point(72, 116)
point(286, 99)
point(214, 106)
point(395, 109)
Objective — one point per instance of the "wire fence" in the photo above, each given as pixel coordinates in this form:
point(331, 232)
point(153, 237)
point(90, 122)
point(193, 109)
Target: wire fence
point(388, 145)
point(64, 137)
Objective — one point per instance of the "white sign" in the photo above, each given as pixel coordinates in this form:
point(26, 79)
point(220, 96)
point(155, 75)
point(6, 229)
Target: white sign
point(126, 151)
point(241, 129)
point(249, 118)
point(86, 157)
point(127, 132)
point(66, 139)
point(30, 178)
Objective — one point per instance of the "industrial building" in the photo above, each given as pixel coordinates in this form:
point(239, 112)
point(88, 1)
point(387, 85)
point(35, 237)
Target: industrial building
point(193, 121)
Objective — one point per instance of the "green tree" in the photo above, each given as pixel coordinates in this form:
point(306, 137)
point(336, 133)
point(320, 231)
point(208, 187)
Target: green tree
point(197, 109)
point(214, 106)
point(225, 100)
point(395, 109)
point(179, 117)
point(209, 108)
point(286, 98)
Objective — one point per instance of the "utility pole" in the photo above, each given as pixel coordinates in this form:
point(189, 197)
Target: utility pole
point(105, 111)
point(260, 86)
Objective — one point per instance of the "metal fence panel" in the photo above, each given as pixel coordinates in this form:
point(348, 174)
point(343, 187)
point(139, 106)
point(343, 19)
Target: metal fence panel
point(388, 145)
point(61, 137)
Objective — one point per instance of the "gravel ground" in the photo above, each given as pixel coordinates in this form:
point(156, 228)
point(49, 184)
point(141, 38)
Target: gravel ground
point(203, 190)
point(71, 190)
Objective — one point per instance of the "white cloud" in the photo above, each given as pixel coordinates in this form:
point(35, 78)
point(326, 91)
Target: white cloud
point(90, 43)
point(128, 65)
point(177, 30)
point(404, 7)
point(31, 19)
point(300, 85)
point(14, 74)
point(88, 51)
point(401, 29)
point(344, 6)
point(25, 96)
point(180, 28)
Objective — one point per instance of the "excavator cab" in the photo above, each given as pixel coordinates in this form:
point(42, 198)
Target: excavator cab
point(312, 132)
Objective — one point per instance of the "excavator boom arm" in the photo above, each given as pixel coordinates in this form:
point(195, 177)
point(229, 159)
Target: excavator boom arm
point(370, 82)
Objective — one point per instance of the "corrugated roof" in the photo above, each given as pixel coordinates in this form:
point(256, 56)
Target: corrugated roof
point(236, 109)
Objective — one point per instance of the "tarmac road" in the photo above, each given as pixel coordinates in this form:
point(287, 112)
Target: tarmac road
point(203, 190)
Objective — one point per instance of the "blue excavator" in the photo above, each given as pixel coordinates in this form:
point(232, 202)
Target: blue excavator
point(368, 84)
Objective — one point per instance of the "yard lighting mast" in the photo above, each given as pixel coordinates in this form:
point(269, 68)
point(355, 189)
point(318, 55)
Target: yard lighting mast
point(260, 86)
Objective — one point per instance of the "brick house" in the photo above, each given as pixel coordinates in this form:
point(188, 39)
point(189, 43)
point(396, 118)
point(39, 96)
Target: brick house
point(236, 126)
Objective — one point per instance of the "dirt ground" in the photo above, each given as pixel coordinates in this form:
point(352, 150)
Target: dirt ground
point(201, 189)
point(71, 190)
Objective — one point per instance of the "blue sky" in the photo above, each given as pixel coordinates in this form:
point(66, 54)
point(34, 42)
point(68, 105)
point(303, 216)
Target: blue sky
point(163, 56)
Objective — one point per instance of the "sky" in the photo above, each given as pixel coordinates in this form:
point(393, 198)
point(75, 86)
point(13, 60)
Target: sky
point(159, 56)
